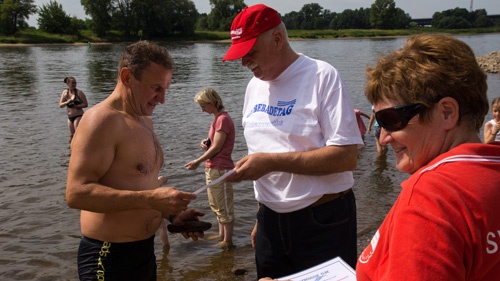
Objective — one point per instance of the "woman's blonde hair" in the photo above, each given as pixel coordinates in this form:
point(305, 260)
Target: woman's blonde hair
point(495, 102)
point(209, 95)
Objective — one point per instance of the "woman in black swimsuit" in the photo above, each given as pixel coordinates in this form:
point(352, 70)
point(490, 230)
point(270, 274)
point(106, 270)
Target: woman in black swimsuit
point(74, 100)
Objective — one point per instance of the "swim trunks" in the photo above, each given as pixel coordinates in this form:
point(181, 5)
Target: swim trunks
point(98, 260)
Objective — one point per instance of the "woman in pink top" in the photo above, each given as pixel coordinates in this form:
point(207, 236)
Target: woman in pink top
point(218, 149)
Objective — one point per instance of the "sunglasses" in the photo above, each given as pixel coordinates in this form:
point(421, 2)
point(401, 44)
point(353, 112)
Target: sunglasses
point(396, 118)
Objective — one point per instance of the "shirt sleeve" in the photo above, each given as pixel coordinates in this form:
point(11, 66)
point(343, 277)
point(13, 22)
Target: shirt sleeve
point(224, 123)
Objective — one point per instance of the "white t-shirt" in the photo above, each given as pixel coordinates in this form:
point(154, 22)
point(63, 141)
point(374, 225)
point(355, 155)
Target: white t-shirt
point(305, 108)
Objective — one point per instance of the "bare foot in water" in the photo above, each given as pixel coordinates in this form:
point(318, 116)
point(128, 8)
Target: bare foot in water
point(225, 245)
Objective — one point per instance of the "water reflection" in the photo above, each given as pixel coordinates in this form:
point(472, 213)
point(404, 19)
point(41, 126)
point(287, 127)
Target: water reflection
point(101, 63)
point(19, 78)
point(380, 163)
point(165, 270)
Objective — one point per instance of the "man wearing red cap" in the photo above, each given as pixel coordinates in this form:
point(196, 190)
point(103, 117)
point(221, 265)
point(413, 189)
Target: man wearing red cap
point(302, 137)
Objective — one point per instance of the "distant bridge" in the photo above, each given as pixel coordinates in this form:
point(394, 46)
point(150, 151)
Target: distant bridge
point(428, 22)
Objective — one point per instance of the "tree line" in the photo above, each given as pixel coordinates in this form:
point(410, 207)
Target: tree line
point(164, 18)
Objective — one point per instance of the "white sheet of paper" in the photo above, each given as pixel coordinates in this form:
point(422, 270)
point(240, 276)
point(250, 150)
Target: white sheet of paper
point(333, 270)
point(203, 188)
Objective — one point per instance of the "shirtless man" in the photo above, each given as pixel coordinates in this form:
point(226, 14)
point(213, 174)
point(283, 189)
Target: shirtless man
point(113, 173)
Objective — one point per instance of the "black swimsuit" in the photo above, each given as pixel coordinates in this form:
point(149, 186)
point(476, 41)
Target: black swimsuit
point(99, 260)
point(76, 101)
point(73, 118)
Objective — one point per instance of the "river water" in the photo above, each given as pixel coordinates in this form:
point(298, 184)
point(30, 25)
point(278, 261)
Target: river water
point(39, 234)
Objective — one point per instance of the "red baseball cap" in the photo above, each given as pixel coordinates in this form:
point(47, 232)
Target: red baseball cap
point(247, 26)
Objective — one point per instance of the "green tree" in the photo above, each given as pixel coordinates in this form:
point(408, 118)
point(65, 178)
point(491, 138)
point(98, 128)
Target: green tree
point(292, 20)
point(352, 19)
point(363, 18)
point(123, 17)
point(453, 18)
point(183, 17)
point(202, 22)
point(381, 12)
point(310, 17)
point(481, 19)
point(100, 11)
point(78, 24)
point(53, 19)
point(457, 18)
point(14, 15)
point(323, 22)
point(453, 23)
point(309, 13)
point(385, 15)
point(161, 18)
point(223, 13)
point(146, 17)
point(401, 19)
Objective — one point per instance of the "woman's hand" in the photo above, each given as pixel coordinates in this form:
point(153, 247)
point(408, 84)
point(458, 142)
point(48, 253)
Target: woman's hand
point(193, 165)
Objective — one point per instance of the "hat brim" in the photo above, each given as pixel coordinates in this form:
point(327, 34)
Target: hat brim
point(239, 50)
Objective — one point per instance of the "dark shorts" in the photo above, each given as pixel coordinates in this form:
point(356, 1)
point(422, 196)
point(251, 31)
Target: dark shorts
point(377, 132)
point(73, 118)
point(287, 243)
point(98, 260)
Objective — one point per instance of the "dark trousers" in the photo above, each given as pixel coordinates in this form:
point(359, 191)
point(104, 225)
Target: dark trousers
point(290, 242)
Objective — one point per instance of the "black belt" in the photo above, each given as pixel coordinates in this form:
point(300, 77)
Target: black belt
point(330, 197)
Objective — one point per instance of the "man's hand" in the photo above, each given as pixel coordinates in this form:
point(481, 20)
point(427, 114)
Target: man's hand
point(251, 167)
point(170, 201)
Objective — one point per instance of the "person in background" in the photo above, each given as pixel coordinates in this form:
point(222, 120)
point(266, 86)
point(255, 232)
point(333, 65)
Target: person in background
point(162, 229)
point(217, 157)
point(492, 127)
point(381, 148)
point(113, 173)
point(303, 140)
point(163, 232)
point(75, 101)
point(361, 123)
point(445, 223)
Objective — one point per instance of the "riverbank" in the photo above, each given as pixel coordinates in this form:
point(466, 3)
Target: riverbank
point(33, 36)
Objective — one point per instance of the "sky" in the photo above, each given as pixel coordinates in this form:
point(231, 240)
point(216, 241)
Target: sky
point(416, 9)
